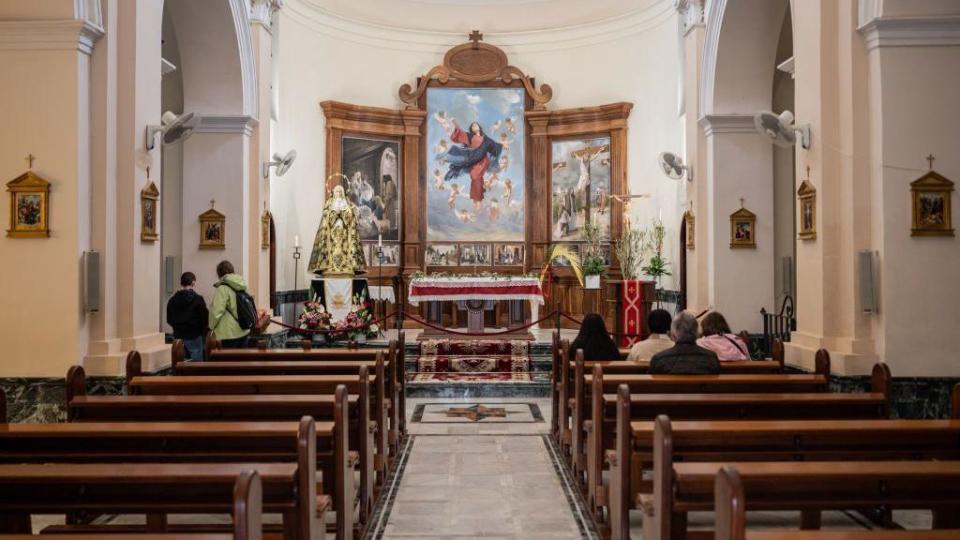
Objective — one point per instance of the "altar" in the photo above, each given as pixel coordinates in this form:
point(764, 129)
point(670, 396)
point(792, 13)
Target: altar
point(475, 295)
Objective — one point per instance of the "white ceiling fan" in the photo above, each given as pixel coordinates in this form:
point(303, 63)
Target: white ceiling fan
point(281, 162)
point(781, 130)
point(672, 165)
point(174, 129)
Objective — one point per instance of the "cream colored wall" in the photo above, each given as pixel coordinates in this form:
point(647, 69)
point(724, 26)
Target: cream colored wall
point(589, 66)
point(919, 292)
point(42, 325)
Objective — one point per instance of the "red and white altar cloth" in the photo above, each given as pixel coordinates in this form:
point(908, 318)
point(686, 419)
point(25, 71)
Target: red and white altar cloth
point(443, 289)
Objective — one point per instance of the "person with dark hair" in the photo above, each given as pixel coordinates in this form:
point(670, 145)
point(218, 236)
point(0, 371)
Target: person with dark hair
point(686, 357)
point(225, 315)
point(187, 315)
point(594, 340)
point(658, 340)
point(717, 336)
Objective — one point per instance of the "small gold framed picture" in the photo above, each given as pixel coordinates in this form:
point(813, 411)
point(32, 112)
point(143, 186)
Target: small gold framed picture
point(149, 197)
point(743, 224)
point(807, 197)
point(29, 206)
point(265, 220)
point(213, 227)
point(690, 221)
point(931, 205)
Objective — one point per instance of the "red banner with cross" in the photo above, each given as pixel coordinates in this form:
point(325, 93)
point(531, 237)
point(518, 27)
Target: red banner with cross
point(634, 310)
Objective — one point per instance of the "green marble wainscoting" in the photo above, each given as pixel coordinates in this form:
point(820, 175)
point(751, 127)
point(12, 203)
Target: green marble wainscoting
point(43, 399)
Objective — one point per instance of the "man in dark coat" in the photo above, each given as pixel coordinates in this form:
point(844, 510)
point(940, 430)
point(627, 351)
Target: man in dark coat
point(187, 314)
point(686, 357)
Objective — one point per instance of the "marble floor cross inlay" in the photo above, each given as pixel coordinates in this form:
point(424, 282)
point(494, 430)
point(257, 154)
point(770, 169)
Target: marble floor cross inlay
point(477, 412)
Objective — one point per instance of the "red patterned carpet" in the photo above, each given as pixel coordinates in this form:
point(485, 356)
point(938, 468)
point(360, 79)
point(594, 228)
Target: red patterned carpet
point(495, 361)
point(447, 377)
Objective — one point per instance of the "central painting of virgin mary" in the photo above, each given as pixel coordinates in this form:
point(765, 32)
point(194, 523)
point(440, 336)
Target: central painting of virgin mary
point(475, 164)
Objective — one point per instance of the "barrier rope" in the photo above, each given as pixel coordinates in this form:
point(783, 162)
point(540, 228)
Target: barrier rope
point(478, 334)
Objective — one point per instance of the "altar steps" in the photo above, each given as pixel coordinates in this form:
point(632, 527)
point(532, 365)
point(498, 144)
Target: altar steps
point(458, 368)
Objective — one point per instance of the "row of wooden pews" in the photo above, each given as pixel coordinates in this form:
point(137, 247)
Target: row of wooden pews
point(655, 444)
point(177, 443)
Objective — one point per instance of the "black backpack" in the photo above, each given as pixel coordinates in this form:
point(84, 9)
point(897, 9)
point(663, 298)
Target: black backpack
point(246, 309)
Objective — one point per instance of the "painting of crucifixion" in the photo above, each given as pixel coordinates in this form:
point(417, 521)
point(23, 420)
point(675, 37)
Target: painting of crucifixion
point(580, 187)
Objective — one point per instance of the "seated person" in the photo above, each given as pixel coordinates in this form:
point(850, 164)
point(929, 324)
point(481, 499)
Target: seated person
point(717, 337)
point(659, 339)
point(684, 358)
point(594, 340)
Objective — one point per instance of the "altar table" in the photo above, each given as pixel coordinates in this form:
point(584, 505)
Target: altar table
point(476, 294)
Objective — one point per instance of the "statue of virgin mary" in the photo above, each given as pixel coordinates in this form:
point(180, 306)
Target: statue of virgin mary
point(337, 250)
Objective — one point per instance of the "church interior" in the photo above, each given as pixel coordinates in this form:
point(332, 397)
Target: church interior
point(451, 269)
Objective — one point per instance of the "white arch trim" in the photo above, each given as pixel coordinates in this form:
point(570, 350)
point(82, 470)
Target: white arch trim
point(708, 67)
point(248, 67)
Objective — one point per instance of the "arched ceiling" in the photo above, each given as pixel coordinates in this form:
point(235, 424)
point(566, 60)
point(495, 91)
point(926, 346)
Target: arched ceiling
point(494, 16)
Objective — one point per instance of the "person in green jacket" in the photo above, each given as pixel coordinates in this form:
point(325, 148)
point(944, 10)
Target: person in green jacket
point(223, 311)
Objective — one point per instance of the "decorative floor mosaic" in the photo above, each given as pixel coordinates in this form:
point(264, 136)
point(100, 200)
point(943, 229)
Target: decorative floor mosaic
point(461, 413)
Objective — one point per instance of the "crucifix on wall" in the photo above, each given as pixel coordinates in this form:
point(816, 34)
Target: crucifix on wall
point(586, 157)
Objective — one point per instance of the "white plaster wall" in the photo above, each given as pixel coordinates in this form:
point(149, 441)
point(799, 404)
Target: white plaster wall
point(317, 62)
point(214, 168)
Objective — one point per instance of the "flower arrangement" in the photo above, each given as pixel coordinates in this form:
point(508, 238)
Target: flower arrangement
point(657, 267)
point(354, 325)
point(314, 316)
point(593, 260)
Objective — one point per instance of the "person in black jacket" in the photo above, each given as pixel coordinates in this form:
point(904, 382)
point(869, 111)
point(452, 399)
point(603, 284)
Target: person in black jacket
point(686, 357)
point(187, 314)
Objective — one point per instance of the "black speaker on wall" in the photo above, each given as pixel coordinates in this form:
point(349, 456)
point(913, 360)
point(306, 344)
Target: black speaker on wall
point(91, 281)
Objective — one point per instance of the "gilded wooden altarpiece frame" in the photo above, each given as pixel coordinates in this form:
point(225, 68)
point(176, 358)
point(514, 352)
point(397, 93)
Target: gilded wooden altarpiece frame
point(477, 64)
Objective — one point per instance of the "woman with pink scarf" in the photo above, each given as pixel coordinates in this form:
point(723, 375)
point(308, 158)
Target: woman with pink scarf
point(717, 337)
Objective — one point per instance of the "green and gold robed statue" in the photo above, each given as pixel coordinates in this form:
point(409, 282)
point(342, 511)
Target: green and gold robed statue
point(337, 250)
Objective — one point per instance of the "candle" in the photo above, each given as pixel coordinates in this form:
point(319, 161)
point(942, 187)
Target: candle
point(659, 214)
point(379, 240)
point(296, 240)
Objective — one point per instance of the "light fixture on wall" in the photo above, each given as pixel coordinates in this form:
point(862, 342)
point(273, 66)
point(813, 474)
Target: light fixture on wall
point(282, 163)
point(781, 130)
point(174, 129)
point(672, 166)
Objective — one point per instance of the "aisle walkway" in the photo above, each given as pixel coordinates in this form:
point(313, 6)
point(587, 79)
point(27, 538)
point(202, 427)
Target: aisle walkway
point(460, 482)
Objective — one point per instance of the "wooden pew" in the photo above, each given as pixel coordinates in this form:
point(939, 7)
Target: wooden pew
point(730, 510)
point(339, 408)
point(125, 488)
point(371, 437)
point(589, 390)
point(247, 519)
point(817, 486)
point(884, 465)
point(186, 442)
point(395, 383)
point(567, 389)
point(634, 413)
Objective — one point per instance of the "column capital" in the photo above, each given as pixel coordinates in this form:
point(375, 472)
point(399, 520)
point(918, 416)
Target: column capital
point(928, 31)
point(691, 13)
point(262, 11)
point(59, 34)
point(726, 123)
point(225, 123)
